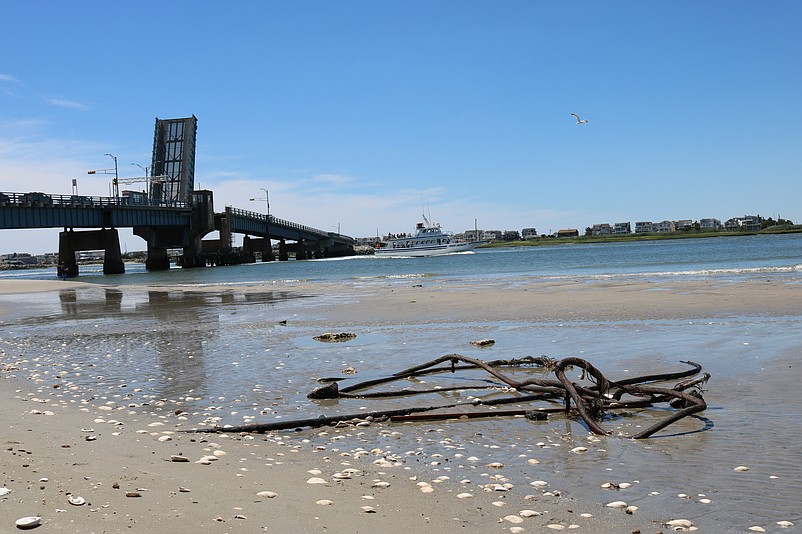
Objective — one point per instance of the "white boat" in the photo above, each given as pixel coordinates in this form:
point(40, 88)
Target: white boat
point(428, 240)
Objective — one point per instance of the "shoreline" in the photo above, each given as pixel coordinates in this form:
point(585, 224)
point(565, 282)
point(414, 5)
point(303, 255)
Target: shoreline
point(132, 442)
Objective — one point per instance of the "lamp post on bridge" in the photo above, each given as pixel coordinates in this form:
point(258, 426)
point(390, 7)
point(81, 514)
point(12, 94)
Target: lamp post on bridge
point(269, 247)
point(147, 174)
point(116, 182)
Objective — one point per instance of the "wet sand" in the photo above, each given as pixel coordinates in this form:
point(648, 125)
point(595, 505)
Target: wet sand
point(60, 444)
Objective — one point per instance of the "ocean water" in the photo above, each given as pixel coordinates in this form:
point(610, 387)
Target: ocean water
point(743, 256)
point(160, 342)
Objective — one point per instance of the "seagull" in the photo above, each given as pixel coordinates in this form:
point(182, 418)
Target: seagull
point(578, 120)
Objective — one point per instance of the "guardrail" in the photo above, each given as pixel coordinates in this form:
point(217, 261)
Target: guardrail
point(274, 220)
point(36, 199)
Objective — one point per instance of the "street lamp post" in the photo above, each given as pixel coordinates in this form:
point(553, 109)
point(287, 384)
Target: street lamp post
point(116, 176)
point(269, 247)
point(143, 168)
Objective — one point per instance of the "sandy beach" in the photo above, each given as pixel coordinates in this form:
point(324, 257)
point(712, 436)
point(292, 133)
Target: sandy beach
point(128, 465)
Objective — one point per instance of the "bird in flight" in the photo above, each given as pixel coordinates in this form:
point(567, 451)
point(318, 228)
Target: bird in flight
point(578, 120)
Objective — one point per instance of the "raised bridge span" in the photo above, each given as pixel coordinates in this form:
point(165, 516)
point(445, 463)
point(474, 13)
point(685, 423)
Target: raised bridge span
point(91, 223)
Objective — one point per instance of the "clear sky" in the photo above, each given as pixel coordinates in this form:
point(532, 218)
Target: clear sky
point(361, 115)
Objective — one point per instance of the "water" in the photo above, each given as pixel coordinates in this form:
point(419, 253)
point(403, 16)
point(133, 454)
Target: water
point(198, 341)
point(776, 255)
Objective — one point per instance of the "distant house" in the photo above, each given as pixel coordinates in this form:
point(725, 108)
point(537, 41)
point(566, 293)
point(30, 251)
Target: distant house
point(511, 235)
point(472, 235)
point(749, 223)
point(529, 233)
point(710, 224)
point(570, 232)
point(683, 224)
point(601, 229)
point(491, 235)
point(664, 227)
point(622, 228)
point(644, 227)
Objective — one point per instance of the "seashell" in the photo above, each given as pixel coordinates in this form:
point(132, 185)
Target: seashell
point(528, 513)
point(76, 501)
point(316, 480)
point(28, 522)
point(178, 458)
point(517, 530)
point(513, 519)
point(631, 509)
point(133, 494)
point(219, 453)
point(182, 489)
point(268, 494)
point(741, 469)
point(495, 465)
point(4, 491)
point(427, 489)
point(164, 438)
point(617, 504)
point(368, 510)
point(555, 526)
point(785, 524)
point(680, 523)
point(578, 450)
point(240, 516)
point(381, 485)
point(539, 483)
point(498, 504)
point(324, 502)
point(464, 496)
point(756, 529)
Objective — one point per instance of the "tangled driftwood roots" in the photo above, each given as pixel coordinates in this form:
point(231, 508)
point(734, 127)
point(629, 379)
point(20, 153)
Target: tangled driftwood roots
point(590, 399)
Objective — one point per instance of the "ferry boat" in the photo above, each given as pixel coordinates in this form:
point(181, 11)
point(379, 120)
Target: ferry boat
point(428, 240)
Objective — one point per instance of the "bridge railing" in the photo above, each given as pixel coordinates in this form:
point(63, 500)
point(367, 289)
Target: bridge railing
point(273, 220)
point(37, 199)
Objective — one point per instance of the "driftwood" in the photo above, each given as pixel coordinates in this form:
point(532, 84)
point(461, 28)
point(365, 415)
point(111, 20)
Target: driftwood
point(590, 403)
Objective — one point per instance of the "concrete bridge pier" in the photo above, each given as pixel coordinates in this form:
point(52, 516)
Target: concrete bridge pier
point(282, 251)
point(70, 242)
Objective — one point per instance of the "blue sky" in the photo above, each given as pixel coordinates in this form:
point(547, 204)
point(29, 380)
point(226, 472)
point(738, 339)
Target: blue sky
point(362, 114)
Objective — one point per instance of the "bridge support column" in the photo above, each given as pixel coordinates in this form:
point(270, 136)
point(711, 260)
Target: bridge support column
point(267, 250)
point(71, 242)
point(157, 260)
point(282, 251)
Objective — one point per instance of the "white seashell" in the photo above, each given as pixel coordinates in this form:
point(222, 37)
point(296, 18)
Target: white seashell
point(517, 530)
point(28, 522)
point(427, 489)
point(513, 519)
point(532, 461)
point(705, 501)
point(741, 469)
point(219, 453)
point(498, 504)
point(528, 513)
point(631, 509)
point(381, 485)
point(579, 449)
point(785, 524)
point(624, 485)
point(756, 529)
point(4, 491)
point(539, 483)
point(680, 523)
point(268, 494)
point(464, 496)
point(324, 502)
point(76, 501)
point(315, 480)
point(495, 465)
point(555, 526)
point(617, 504)
point(586, 515)
point(164, 438)
point(368, 510)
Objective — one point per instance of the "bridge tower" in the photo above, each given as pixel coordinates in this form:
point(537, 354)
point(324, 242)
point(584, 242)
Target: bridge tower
point(174, 158)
